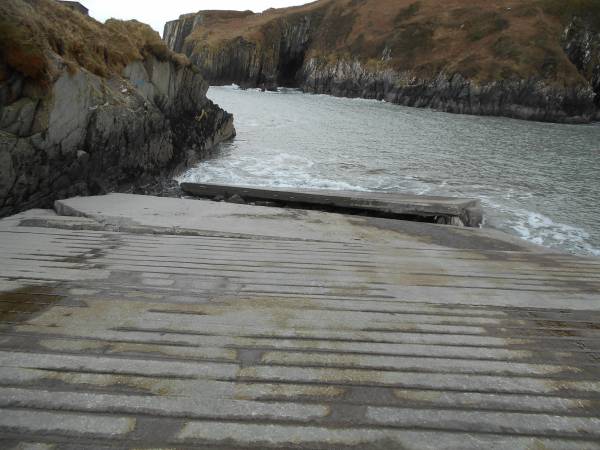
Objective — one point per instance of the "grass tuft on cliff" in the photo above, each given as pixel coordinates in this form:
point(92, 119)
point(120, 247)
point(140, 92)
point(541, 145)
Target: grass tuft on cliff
point(33, 32)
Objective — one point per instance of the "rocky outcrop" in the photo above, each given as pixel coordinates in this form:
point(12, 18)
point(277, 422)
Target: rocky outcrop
point(79, 133)
point(485, 60)
point(177, 30)
point(529, 99)
point(242, 60)
point(581, 41)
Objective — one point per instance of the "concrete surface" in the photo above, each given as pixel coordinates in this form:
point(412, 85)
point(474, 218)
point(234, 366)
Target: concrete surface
point(141, 322)
point(442, 209)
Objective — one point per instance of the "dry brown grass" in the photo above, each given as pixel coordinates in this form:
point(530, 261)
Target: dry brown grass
point(589, 9)
point(482, 39)
point(30, 30)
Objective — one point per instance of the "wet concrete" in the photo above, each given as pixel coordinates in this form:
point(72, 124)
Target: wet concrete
point(444, 210)
point(22, 304)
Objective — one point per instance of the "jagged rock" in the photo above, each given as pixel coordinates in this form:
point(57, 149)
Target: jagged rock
point(85, 133)
point(524, 99)
point(581, 42)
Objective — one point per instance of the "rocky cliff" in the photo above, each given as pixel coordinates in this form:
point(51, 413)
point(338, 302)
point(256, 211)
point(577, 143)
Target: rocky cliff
point(581, 41)
point(86, 106)
point(527, 59)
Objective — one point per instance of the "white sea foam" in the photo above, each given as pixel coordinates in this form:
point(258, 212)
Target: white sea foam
point(539, 229)
point(542, 230)
point(293, 171)
point(282, 170)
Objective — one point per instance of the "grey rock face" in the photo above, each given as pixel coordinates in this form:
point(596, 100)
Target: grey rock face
point(582, 45)
point(243, 62)
point(177, 30)
point(529, 99)
point(89, 134)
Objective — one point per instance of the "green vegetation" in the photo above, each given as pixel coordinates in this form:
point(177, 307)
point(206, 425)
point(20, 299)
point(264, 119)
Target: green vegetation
point(469, 67)
point(409, 12)
point(506, 47)
point(413, 38)
point(550, 63)
point(331, 37)
point(485, 25)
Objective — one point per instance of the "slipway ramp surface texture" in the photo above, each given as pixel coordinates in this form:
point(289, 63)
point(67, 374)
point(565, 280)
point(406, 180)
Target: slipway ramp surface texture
point(141, 322)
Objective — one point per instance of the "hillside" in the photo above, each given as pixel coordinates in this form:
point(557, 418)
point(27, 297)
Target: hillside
point(532, 59)
point(86, 106)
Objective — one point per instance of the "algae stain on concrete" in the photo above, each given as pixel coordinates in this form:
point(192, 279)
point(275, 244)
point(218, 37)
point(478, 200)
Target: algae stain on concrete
point(20, 305)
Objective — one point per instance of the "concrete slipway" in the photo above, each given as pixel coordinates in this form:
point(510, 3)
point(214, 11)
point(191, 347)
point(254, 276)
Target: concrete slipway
point(446, 210)
point(142, 322)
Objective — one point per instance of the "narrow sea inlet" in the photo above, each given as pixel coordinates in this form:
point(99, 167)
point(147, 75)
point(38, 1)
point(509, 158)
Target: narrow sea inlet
point(540, 181)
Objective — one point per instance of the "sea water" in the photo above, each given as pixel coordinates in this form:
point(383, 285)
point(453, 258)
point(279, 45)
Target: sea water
point(539, 181)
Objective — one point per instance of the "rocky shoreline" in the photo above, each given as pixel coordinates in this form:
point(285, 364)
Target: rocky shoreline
point(76, 132)
point(529, 99)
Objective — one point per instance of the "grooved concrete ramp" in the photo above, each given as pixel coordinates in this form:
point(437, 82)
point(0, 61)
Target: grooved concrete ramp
point(442, 209)
point(139, 322)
